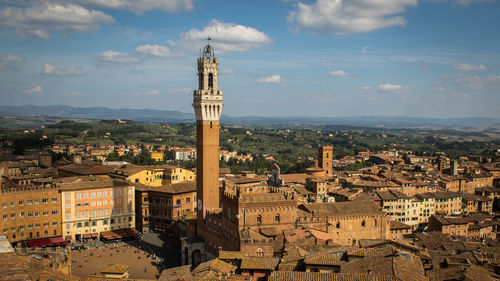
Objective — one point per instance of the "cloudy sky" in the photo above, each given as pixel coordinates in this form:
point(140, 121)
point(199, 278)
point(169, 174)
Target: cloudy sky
point(426, 58)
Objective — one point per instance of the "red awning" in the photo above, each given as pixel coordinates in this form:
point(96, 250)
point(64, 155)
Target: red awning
point(46, 242)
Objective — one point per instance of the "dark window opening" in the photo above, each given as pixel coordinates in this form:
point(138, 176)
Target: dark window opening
point(210, 80)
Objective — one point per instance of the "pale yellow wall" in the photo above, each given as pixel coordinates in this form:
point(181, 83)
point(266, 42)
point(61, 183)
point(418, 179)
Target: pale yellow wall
point(157, 156)
point(449, 206)
point(158, 177)
point(97, 207)
point(178, 175)
point(409, 211)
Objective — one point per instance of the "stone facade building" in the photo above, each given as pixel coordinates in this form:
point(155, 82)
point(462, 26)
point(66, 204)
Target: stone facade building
point(350, 221)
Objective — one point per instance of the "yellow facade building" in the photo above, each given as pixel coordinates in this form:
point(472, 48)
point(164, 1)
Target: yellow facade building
point(157, 156)
point(155, 175)
point(92, 205)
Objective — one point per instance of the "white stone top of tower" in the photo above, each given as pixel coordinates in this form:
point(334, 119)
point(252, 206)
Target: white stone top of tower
point(207, 100)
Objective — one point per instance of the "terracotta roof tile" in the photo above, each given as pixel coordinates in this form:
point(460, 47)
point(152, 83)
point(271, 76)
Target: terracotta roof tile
point(317, 276)
point(266, 263)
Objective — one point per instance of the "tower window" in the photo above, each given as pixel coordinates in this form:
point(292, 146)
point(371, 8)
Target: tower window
point(259, 219)
point(210, 124)
point(363, 224)
point(210, 80)
point(277, 218)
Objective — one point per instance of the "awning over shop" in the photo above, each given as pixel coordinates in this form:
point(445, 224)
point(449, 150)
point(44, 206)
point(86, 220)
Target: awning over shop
point(91, 235)
point(46, 242)
point(119, 233)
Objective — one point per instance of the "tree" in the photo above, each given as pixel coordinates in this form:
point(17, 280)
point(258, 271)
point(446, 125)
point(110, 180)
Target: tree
point(19, 147)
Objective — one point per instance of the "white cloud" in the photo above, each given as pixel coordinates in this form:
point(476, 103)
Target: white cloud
point(150, 93)
point(10, 58)
point(392, 87)
point(37, 89)
point(326, 97)
point(366, 88)
point(181, 91)
point(155, 51)
point(473, 82)
point(364, 50)
point(8, 62)
point(441, 89)
point(32, 21)
point(141, 6)
point(112, 57)
point(476, 82)
point(60, 70)
point(493, 78)
point(469, 67)
point(227, 37)
point(228, 71)
point(76, 94)
point(338, 73)
point(345, 17)
point(468, 2)
point(276, 79)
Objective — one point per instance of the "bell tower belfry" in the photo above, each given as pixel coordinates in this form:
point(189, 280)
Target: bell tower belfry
point(207, 104)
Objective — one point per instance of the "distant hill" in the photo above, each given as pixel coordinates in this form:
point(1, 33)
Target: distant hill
point(151, 115)
point(64, 111)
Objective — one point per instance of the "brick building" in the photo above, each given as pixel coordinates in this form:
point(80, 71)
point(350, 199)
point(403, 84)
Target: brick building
point(158, 207)
point(350, 221)
point(29, 212)
point(473, 226)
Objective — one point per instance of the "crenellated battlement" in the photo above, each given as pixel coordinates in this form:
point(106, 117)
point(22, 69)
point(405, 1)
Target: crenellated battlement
point(229, 195)
point(28, 188)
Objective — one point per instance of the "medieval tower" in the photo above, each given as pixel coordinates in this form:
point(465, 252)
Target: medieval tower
point(325, 157)
point(207, 103)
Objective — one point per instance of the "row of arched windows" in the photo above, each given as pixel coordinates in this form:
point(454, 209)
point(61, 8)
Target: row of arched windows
point(212, 110)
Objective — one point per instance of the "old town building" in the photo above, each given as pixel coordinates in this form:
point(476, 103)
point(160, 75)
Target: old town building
point(92, 205)
point(350, 221)
point(153, 175)
point(29, 212)
point(157, 207)
point(473, 226)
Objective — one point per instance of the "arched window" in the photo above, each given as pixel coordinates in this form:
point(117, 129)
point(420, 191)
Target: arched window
point(338, 225)
point(259, 219)
point(277, 218)
point(363, 223)
point(210, 80)
point(260, 252)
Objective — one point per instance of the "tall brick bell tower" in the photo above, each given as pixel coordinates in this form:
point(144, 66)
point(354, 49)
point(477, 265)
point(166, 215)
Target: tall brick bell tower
point(207, 103)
